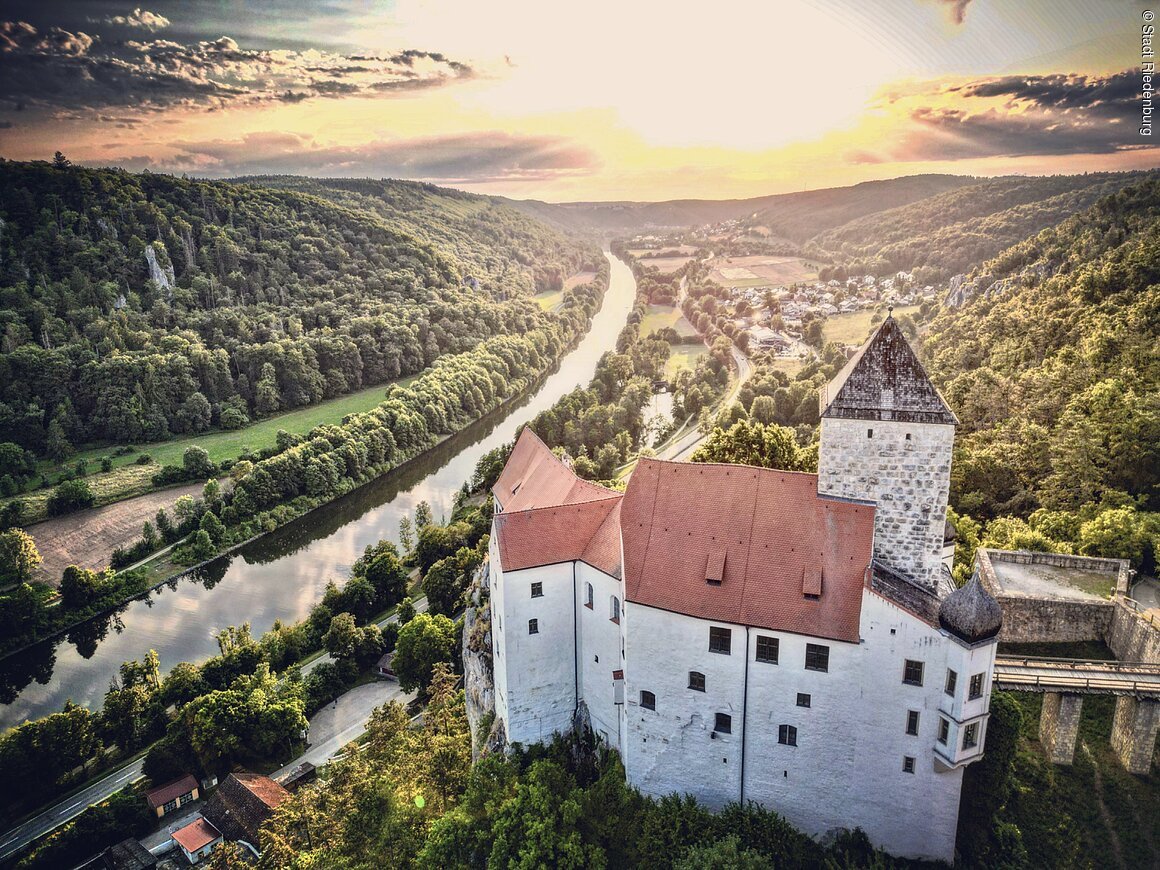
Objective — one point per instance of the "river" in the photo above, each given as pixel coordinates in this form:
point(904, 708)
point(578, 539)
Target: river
point(282, 575)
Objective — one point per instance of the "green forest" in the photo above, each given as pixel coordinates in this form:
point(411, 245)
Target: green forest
point(135, 307)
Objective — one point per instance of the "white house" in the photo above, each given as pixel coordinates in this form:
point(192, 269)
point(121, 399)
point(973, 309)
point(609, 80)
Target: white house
point(747, 634)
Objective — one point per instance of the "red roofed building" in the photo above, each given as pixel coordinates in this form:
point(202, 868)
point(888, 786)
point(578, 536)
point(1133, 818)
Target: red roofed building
point(744, 633)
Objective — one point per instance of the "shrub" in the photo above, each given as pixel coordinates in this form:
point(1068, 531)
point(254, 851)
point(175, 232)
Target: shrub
point(70, 496)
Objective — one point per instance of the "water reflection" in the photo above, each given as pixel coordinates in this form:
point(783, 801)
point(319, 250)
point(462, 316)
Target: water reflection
point(282, 575)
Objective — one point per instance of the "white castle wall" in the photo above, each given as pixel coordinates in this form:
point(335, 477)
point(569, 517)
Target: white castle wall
point(847, 767)
point(907, 478)
point(600, 650)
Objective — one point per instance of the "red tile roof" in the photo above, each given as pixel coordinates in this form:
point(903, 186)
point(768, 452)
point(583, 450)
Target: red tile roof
point(586, 532)
point(533, 477)
point(171, 791)
point(550, 515)
point(779, 537)
point(196, 835)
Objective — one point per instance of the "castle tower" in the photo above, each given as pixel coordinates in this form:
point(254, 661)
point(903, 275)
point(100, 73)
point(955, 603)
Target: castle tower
point(887, 437)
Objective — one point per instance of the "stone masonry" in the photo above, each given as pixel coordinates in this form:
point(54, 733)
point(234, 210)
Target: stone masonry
point(1134, 730)
point(903, 467)
point(1059, 725)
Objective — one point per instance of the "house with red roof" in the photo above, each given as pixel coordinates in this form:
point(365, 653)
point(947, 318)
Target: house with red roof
point(744, 633)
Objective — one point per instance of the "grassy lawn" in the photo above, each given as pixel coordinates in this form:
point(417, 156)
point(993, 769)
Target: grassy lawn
point(684, 356)
point(854, 328)
point(549, 300)
point(127, 479)
point(660, 316)
point(790, 365)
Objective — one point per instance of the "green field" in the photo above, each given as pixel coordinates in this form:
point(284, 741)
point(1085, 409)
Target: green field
point(549, 300)
point(128, 479)
point(684, 356)
point(854, 328)
point(660, 316)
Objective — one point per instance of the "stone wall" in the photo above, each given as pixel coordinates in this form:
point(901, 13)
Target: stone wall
point(1133, 636)
point(1045, 620)
point(904, 468)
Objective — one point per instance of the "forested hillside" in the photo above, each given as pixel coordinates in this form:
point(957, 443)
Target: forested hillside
point(1053, 366)
point(133, 307)
point(951, 232)
point(499, 245)
point(796, 216)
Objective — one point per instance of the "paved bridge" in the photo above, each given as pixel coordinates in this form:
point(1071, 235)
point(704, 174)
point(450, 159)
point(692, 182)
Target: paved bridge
point(1064, 682)
point(1081, 677)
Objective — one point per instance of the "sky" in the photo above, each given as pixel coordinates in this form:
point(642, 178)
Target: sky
point(601, 100)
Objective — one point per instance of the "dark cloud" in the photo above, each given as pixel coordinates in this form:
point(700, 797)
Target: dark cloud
point(69, 73)
point(1037, 115)
point(483, 157)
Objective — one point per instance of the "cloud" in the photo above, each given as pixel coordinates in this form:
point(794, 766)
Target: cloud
point(142, 18)
point(475, 158)
point(76, 73)
point(957, 9)
point(1013, 116)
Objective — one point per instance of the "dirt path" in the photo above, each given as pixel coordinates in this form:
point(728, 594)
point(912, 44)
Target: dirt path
point(89, 537)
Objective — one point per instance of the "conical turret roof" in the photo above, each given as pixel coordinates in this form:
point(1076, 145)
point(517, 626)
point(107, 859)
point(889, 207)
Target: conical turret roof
point(885, 381)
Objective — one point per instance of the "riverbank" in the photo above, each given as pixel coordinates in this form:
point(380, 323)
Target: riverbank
point(279, 576)
point(160, 570)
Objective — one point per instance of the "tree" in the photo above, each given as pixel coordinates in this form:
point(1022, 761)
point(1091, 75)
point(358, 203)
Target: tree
point(405, 612)
point(213, 527)
point(266, 397)
point(423, 642)
point(70, 496)
point(423, 516)
point(19, 557)
point(195, 461)
point(406, 534)
point(341, 639)
point(750, 443)
point(381, 566)
point(203, 548)
point(80, 587)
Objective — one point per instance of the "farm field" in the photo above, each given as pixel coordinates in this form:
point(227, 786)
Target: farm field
point(759, 270)
point(684, 356)
point(854, 328)
point(549, 300)
point(88, 538)
point(660, 316)
point(578, 279)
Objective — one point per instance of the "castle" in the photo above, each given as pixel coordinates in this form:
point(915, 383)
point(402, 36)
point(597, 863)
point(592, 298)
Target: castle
point(743, 633)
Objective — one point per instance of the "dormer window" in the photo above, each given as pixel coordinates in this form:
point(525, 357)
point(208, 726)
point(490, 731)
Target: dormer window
point(715, 568)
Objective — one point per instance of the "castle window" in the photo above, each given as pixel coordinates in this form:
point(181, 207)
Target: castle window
point(787, 735)
point(537, 590)
point(817, 657)
point(907, 764)
point(767, 649)
point(971, 736)
point(976, 687)
point(720, 639)
point(588, 595)
point(944, 730)
point(614, 609)
point(869, 433)
point(952, 682)
point(907, 436)
point(912, 722)
point(803, 700)
point(533, 626)
point(723, 724)
point(696, 681)
point(648, 700)
point(912, 675)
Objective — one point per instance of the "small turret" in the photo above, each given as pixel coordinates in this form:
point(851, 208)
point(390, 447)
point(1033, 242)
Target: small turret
point(970, 613)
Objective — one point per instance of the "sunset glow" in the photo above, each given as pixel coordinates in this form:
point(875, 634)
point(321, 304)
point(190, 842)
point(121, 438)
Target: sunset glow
point(606, 100)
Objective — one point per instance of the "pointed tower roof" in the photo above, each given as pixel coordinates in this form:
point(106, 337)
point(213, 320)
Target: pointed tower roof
point(885, 381)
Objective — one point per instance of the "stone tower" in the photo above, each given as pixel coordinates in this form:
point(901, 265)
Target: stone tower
point(887, 437)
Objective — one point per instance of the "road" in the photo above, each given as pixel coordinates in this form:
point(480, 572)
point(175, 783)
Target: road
point(330, 730)
point(337, 724)
point(687, 443)
point(70, 808)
